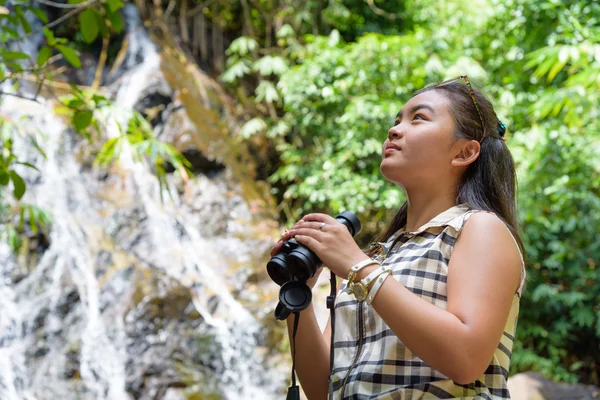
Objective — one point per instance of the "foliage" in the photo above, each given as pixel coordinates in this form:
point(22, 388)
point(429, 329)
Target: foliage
point(93, 20)
point(320, 83)
point(37, 219)
point(144, 146)
point(540, 63)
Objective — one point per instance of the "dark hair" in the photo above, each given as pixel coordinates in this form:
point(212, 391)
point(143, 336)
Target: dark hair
point(489, 183)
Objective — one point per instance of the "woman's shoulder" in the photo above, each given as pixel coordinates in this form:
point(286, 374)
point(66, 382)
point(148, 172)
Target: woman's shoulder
point(488, 233)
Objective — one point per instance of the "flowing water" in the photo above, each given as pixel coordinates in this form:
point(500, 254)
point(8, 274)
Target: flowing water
point(129, 297)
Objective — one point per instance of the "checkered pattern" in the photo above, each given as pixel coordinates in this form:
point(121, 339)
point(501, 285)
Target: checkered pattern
point(373, 363)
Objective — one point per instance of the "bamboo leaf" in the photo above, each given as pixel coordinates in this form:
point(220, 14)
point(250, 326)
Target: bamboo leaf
point(27, 165)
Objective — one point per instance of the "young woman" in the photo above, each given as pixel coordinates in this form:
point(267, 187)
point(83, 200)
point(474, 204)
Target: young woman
point(437, 317)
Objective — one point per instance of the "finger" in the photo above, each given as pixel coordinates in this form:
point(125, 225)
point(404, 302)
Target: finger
point(310, 225)
point(285, 236)
point(314, 233)
point(299, 223)
point(309, 242)
point(276, 248)
point(328, 219)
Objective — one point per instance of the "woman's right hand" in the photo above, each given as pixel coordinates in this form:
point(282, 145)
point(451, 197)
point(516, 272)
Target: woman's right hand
point(286, 235)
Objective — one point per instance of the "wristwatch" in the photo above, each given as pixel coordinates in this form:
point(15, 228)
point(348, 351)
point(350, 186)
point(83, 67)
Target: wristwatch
point(360, 290)
point(354, 270)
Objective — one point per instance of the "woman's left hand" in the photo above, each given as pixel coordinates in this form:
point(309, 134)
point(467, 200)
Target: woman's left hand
point(330, 240)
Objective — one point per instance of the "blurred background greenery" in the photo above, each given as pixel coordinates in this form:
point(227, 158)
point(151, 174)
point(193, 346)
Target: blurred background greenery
point(317, 84)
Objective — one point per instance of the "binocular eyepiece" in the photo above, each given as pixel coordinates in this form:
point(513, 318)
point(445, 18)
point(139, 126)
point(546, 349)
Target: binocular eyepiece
point(294, 265)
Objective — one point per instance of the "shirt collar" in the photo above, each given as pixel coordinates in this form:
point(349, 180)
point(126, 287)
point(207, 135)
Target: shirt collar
point(450, 217)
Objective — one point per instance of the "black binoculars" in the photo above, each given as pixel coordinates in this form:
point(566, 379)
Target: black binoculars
point(294, 265)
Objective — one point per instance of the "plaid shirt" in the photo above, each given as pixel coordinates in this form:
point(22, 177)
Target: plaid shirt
point(370, 362)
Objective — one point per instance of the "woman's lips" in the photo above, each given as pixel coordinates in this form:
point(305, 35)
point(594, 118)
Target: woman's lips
point(390, 149)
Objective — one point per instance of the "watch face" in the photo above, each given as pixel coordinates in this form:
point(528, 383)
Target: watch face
point(360, 291)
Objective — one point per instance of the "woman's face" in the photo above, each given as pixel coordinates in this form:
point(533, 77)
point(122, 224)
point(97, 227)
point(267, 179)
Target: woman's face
point(419, 146)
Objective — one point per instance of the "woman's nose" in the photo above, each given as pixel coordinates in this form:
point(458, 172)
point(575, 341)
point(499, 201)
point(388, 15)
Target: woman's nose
point(394, 132)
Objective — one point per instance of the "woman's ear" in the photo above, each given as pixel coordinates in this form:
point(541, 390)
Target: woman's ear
point(467, 152)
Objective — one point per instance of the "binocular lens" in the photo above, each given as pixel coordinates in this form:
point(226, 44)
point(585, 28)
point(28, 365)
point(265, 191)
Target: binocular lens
point(278, 270)
point(301, 264)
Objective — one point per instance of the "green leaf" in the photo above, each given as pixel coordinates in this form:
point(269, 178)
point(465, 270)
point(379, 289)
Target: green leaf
point(116, 22)
point(44, 55)
point(21, 219)
point(286, 30)
point(33, 219)
point(4, 177)
point(110, 151)
point(114, 5)
point(14, 55)
point(242, 46)
point(584, 317)
point(236, 71)
point(37, 146)
point(266, 91)
point(253, 126)
point(75, 102)
point(50, 38)
point(14, 66)
point(24, 23)
point(82, 119)
point(270, 65)
point(70, 55)
point(39, 13)
point(88, 24)
point(18, 184)
point(14, 241)
point(9, 32)
point(27, 165)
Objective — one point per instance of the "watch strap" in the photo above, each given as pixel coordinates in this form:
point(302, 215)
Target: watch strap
point(377, 285)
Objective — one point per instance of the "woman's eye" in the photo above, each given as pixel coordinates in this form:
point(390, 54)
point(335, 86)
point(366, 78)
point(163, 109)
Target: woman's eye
point(420, 116)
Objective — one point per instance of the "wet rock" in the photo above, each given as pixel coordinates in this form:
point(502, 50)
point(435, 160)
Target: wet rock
point(169, 343)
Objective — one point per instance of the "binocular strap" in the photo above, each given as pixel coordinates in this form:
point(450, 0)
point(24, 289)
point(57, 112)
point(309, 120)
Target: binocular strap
point(331, 306)
point(294, 390)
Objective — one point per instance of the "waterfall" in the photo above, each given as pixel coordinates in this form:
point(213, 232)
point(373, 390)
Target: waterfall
point(130, 297)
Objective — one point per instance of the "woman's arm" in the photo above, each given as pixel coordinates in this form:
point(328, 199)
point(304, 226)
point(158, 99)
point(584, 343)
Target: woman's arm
point(483, 275)
point(312, 354)
point(312, 346)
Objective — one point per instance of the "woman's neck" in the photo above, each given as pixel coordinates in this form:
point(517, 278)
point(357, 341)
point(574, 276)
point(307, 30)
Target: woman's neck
point(423, 207)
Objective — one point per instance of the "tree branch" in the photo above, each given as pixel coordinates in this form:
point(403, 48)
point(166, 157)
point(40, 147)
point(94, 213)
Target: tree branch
point(19, 96)
point(379, 11)
point(101, 63)
point(62, 5)
point(198, 9)
point(80, 7)
point(169, 10)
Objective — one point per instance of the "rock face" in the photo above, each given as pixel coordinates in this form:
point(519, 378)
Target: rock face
point(534, 386)
point(127, 296)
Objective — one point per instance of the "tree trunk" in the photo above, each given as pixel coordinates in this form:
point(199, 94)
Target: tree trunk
point(185, 35)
